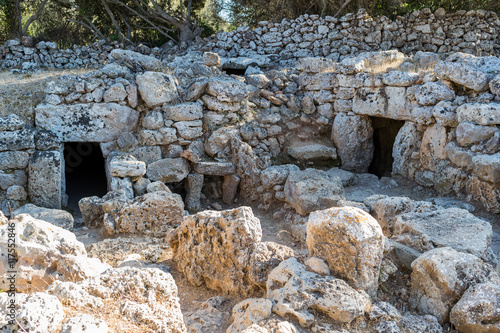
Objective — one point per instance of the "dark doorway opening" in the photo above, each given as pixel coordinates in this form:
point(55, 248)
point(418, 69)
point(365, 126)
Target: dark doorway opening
point(384, 135)
point(85, 172)
point(235, 71)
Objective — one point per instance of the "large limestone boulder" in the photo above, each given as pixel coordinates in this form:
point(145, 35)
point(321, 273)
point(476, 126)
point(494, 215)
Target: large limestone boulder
point(154, 305)
point(487, 167)
point(46, 174)
point(92, 207)
point(479, 113)
point(37, 312)
point(312, 189)
point(368, 61)
point(351, 241)
point(168, 170)
point(229, 91)
point(265, 257)
point(99, 122)
point(17, 140)
point(477, 310)
point(312, 152)
point(45, 253)
point(156, 88)
point(353, 137)
point(407, 142)
point(248, 312)
point(57, 217)
point(153, 213)
point(453, 227)
point(295, 291)
point(463, 72)
point(126, 166)
point(441, 276)
point(214, 248)
point(135, 60)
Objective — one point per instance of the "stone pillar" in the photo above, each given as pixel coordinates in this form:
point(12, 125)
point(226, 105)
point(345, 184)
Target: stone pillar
point(194, 184)
point(46, 172)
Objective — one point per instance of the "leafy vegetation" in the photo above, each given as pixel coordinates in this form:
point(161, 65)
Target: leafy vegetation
point(155, 22)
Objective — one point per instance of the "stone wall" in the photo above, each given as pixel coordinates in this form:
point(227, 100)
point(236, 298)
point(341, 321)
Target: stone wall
point(193, 123)
point(473, 32)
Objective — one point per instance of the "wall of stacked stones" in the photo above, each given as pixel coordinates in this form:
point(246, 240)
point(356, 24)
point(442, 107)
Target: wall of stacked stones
point(25, 54)
point(189, 124)
point(473, 32)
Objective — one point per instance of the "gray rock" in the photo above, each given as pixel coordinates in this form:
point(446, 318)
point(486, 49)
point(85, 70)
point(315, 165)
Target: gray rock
point(227, 90)
point(46, 170)
point(312, 152)
point(114, 70)
point(487, 167)
point(194, 184)
point(478, 113)
point(134, 60)
point(230, 188)
point(153, 120)
point(156, 88)
point(453, 227)
point(431, 93)
point(99, 122)
point(214, 168)
point(13, 160)
point(184, 112)
point(115, 93)
point(12, 122)
point(168, 170)
point(17, 140)
point(60, 218)
point(468, 133)
point(311, 190)
point(126, 166)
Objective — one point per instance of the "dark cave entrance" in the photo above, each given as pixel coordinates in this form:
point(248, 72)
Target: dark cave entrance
point(235, 71)
point(85, 172)
point(384, 134)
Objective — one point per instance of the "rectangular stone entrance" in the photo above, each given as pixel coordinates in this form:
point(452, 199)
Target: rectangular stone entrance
point(384, 134)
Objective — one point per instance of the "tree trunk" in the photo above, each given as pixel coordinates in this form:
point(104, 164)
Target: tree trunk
point(188, 32)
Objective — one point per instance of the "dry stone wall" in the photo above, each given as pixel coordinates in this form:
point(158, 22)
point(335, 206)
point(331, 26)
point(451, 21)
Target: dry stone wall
point(194, 125)
point(472, 32)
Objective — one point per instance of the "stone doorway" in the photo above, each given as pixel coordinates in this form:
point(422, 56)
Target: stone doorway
point(85, 172)
point(384, 134)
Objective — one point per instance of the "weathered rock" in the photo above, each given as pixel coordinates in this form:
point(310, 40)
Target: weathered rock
point(194, 184)
point(215, 168)
point(207, 318)
point(115, 93)
point(366, 61)
point(155, 213)
point(196, 89)
point(432, 149)
point(318, 266)
point(99, 122)
point(248, 312)
point(38, 312)
point(400, 79)
point(265, 257)
point(353, 137)
point(156, 88)
point(257, 80)
point(495, 85)
point(126, 166)
point(468, 134)
point(481, 114)
point(487, 193)
point(294, 291)
point(452, 227)
point(227, 90)
point(45, 253)
point(113, 70)
point(85, 323)
point(351, 242)
point(416, 324)
point(60, 218)
point(13, 160)
point(91, 207)
point(214, 248)
point(431, 93)
point(16, 178)
point(312, 152)
point(477, 310)
point(406, 143)
point(211, 59)
point(219, 141)
point(46, 170)
point(311, 190)
point(462, 74)
point(16, 192)
point(445, 113)
point(184, 112)
point(123, 184)
point(230, 188)
point(487, 167)
point(315, 65)
point(168, 170)
point(17, 140)
point(441, 276)
point(12, 122)
point(136, 60)
point(276, 175)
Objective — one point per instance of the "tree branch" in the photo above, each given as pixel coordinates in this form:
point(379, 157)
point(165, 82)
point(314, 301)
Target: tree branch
point(33, 17)
point(342, 8)
point(91, 27)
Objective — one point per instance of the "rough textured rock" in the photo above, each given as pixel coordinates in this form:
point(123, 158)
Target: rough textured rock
point(353, 137)
point(126, 166)
point(83, 324)
point(248, 312)
point(468, 134)
point(407, 142)
point(312, 152)
point(351, 242)
point(294, 291)
point(453, 227)
point(487, 167)
point(311, 190)
point(462, 74)
point(46, 253)
point(38, 312)
point(432, 93)
point(99, 122)
point(60, 218)
point(136, 60)
point(227, 90)
point(17, 140)
point(92, 207)
point(13, 160)
point(46, 170)
point(265, 257)
point(156, 88)
point(480, 114)
point(155, 213)
point(214, 248)
point(416, 324)
point(477, 310)
point(168, 170)
point(441, 276)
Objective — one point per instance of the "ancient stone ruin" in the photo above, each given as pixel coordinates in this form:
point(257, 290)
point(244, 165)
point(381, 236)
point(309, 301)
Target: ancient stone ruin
point(310, 180)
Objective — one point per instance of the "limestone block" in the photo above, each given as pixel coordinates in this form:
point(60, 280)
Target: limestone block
point(184, 112)
point(133, 59)
point(12, 178)
point(57, 217)
point(351, 242)
point(214, 248)
point(99, 122)
point(156, 88)
point(194, 184)
point(463, 75)
point(126, 166)
point(468, 133)
point(478, 113)
point(46, 173)
point(431, 93)
point(215, 168)
point(487, 167)
point(266, 257)
point(312, 152)
point(189, 129)
point(168, 170)
point(229, 91)
point(17, 140)
point(115, 93)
